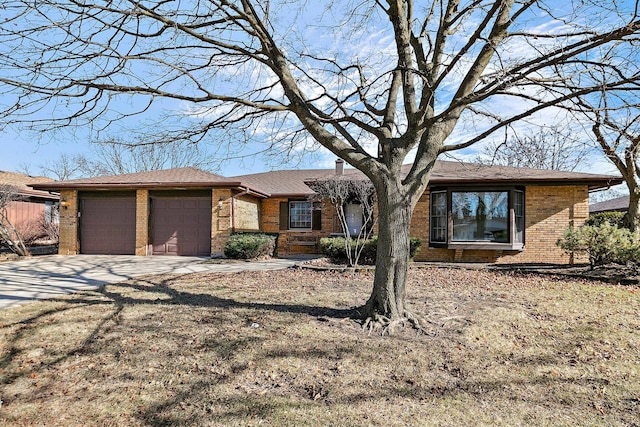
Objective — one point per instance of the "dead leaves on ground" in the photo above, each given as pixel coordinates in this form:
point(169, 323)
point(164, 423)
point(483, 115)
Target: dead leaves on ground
point(279, 348)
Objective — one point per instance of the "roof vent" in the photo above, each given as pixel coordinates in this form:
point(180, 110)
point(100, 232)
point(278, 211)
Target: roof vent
point(339, 167)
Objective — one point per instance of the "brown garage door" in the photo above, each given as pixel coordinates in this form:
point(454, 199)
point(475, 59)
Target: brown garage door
point(108, 225)
point(181, 225)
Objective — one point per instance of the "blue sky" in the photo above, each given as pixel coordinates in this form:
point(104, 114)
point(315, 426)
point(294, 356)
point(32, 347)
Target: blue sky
point(22, 148)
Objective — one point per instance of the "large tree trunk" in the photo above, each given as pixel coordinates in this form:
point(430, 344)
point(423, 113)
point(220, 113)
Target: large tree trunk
point(387, 300)
point(633, 214)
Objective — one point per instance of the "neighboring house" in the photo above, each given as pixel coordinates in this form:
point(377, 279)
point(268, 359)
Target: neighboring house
point(29, 205)
point(619, 204)
point(469, 212)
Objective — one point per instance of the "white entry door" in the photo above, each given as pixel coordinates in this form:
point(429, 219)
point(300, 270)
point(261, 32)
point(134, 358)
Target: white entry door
point(353, 212)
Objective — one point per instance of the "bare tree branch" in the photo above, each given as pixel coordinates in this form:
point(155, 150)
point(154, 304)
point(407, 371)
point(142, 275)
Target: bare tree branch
point(351, 77)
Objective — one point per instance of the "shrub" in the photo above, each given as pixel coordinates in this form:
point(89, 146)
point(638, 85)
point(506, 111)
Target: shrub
point(613, 218)
point(603, 243)
point(249, 245)
point(335, 249)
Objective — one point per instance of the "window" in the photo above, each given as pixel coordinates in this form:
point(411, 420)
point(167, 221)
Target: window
point(438, 208)
point(518, 210)
point(480, 215)
point(477, 218)
point(300, 214)
point(51, 213)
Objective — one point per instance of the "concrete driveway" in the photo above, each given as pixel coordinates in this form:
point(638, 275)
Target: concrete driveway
point(49, 276)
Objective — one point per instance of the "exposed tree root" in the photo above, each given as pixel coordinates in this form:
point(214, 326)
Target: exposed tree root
point(386, 326)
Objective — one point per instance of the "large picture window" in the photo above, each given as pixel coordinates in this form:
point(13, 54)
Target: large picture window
point(477, 218)
point(480, 215)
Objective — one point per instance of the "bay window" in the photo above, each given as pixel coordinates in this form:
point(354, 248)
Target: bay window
point(483, 218)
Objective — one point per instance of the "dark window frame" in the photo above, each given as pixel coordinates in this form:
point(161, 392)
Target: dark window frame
point(301, 217)
point(436, 227)
point(513, 225)
point(315, 213)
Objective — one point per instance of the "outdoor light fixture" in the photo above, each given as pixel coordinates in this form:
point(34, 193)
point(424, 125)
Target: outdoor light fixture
point(220, 203)
point(64, 203)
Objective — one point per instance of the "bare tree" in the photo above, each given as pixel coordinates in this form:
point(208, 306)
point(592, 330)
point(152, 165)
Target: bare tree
point(616, 128)
point(66, 167)
point(553, 148)
point(113, 157)
point(606, 194)
point(9, 235)
point(400, 76)
point(339, 191)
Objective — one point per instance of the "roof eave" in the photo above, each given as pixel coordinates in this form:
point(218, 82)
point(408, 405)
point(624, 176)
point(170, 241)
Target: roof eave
point(148, 185)
point(593, 184)
point(292, 195)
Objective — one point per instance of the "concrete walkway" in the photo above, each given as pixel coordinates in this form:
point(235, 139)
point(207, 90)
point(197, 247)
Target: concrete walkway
point(49, 276)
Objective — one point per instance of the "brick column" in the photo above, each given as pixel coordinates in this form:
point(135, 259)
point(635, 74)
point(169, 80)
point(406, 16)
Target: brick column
point(142, 222)
point(220, 220)
point(68, 243)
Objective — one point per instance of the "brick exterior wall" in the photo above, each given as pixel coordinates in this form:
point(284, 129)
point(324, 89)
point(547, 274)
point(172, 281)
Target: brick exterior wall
point(220, 219)
point(246, 213)
point(69, 244)
point(142, 222)
point(296, 242)
point(549, 210)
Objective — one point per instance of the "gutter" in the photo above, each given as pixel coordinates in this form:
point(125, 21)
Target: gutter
point(148, 185)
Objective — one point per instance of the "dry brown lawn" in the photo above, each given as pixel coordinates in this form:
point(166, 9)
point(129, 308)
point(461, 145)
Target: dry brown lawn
point(279, 349)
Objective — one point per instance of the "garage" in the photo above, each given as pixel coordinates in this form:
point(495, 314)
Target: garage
point(108, 225)
point(181, 225)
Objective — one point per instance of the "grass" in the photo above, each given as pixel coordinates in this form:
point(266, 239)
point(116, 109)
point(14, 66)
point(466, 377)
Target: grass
point(279, 349)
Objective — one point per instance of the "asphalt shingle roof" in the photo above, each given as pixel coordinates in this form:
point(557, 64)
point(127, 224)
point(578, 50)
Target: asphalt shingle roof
point(292, 182)
point(166, 176)
point(617, 204)
point(450, 171)
point(20, 183)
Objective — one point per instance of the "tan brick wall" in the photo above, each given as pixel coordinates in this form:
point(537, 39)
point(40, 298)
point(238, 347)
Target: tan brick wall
point(69, 244)
point(220, 219)
point(270, 216)
point(549, 211)
point(420, 220)
point(246, 213)
point(142, 222)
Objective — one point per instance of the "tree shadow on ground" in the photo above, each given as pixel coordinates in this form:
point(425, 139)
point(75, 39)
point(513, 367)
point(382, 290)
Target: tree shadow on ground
point(171, 296)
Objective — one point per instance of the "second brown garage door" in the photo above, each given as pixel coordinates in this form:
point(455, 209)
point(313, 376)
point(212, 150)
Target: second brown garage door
point(181, 226)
